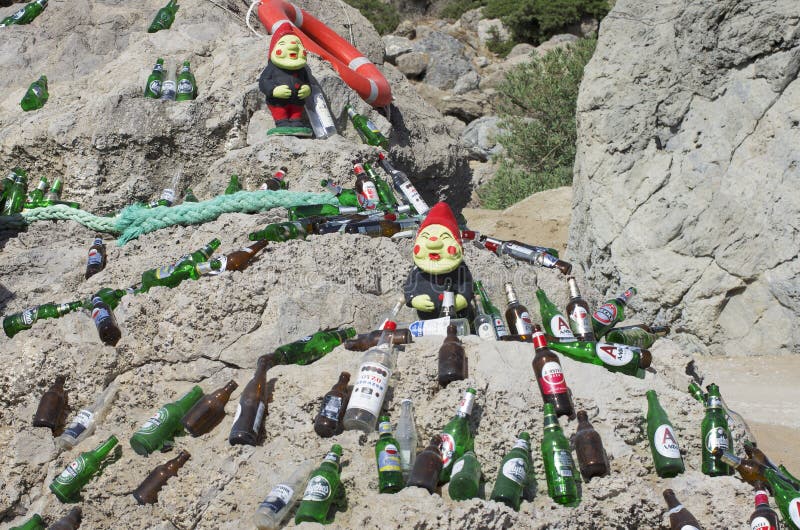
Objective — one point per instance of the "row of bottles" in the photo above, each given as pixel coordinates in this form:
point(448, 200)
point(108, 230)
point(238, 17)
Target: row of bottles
point(14, 195)
point(179, 85)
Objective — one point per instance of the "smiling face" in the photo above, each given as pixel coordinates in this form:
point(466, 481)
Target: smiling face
point(436, 250)
point(289, 53)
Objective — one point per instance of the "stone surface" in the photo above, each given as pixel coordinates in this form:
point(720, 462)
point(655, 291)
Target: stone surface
point(490, 29)
point(686, 173)
point(447, 58)
point(395, 47)
point(556, 41)
point(413, 64)
point(523, 48)
point(480, 137)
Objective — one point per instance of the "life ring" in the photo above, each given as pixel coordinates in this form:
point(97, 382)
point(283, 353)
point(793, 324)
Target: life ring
point(356, 70)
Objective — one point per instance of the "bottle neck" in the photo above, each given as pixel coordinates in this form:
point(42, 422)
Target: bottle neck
point(105, 448)
point(511, 295)
point(465, 405)
point(574, 292)
point(761, 498)
point(672, 501)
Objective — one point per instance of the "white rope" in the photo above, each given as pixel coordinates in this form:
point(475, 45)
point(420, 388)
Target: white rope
point(349, 24)
point(247, 18)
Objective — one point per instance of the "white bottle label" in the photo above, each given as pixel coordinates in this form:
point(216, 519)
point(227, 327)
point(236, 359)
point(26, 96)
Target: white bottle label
point(82, 421)
point(689, 527)
point(317, 490)
point(370, 388)
point(434, 326)
point(72, 471)
point(279, 497)
point(155, 87)
point(30, 315)
point(331, 407)
point(614, 354)
point(561, 329)
point(563, 462)
point(486, 331)
point(414, 198)
point(95, 258)
point(448, 448)
point(514, 469)
point(717, 438)
point(606, 314)
point(580, 320)
point(794, 511)
point(368, 198)
point(761, 523)
point(500, 327)
point(666, 443)
point(185, 87)
point(524, 324)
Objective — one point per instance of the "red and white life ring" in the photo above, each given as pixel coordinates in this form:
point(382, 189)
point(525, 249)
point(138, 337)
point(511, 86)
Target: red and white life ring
point(355, 69)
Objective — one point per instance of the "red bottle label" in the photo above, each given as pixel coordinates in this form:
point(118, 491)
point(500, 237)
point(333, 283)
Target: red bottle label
point(552, 380)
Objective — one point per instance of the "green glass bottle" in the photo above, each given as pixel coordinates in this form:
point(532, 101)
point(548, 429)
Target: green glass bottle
point(153, 87)
point(613, 357)
point(26, 14)
point(164, 424)
point(387, 456)
point(663, 442)
point(111, 297)
point(165, 17)
point(313, 347)
point(640, 335)
point(36, 96)
point(280, 232)
point(13, 324)
point(188, 266)
point(612, 311)
point(346, 196)
point(559, 467)
point(322, 490)
point(189, 196)
point(370, 134)
point(786, 497)
point(697, 392)
point(34, 523)
point(233, 185)
point(203, 254)
point(309, 210)
point(513, 474)
point(715, 433)
point(555, 323)
point(187, 86)
point(385, 192)
point(15, 198)
point(36, 196)
point(465, 478)
point(456, 436)
point(68, 484)
point(491, 310)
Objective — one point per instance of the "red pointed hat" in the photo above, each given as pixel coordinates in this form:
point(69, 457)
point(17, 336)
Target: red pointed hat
point(284, 29)
point(441, 214)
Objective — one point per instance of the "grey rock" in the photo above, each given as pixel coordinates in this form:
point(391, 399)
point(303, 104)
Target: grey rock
point(413, 64)
point(480, 137)
point(395, 47)
point(406, 29)
point(521, 49)
point(556, 41)
point(494, 74)
point(447, 59)
point(467, 83)
point(489, 28)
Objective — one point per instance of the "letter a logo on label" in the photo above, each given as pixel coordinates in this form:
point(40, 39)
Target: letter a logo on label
point(794, 511)
point(665, 442)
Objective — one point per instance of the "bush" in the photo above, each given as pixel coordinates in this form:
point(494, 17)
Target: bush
point(538, 102)
point(497, 45)
point(455, 8)
point(384, 17)
point(535, 21)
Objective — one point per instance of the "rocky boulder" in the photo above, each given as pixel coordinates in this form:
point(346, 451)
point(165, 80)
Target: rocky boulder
point(447, 63)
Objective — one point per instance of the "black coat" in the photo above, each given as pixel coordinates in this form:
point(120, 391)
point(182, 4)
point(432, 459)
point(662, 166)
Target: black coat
point(420, 282)
point(272, 77)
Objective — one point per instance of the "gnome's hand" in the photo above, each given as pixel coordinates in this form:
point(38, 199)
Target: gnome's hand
point(423, 302)
point(282, 92)
point(461, 302)
point(304, 92)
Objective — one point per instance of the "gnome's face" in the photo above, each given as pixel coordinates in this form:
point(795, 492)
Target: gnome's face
point(436, 250)
point(289, 53)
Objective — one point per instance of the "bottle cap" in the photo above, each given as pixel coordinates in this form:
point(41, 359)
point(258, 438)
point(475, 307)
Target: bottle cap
point(761, 498)
point(390, 325)
point(645, 359)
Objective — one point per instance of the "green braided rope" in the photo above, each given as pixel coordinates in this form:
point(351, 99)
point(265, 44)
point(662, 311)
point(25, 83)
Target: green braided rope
point(59, 212)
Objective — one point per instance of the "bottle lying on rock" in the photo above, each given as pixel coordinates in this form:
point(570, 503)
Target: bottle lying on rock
point(380, 227)
point(147, 492)
point(105, 322)
point(324, 488)
point(13, 324)
point(282, 498)
point(679, 517)
point(610, 313)
point(329, 419)
point(513, 474)
point(85, 421)
point(164, 424)
point(36, 96)
point(51, 409)
point(756, 454)
point(639, 335)
point(346, 196)
point(69, 483)
point(404, 186)
point(613, 357)
point(554, 322)
point(427, 467)
point(550, 376)
point(209, 411)
point(752, 472)
point(280, 232)
point(535, 255)
point(252, 406)
point(187, 267)
point(111, 297)
point(25, 14)
point(239, 260)
point(365, 341)
point(36, 522)
point(369, 133)
point(309, 210)
point(164, 17)
point(387, 457)
point(663, 442)
point(313, 347)
point(71, 521)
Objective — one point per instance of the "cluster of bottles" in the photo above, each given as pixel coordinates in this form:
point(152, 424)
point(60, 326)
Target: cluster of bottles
point(175, 87)
point(71, 521)
point(14, 195)
point(25, 14)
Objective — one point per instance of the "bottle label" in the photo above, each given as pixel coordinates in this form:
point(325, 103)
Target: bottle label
point(552, 380)
point(185, 87)
point(413, 197)
point(606, 314)
point(499, 326)
point(279, 497)
point(99, 315)
point(368, 197)
point(370, 388)
point(154, 422)
point(546, 260)
point(524, 324)
point(155, 86)
point(689, 527)
point(614, 354)
point(447, 448)
point(466, 404)
point(30, 315)
point(761, 523)
point(665, 442)
point(522, 444)
point(71, 472)
point(458, 466)
point(561, 329)
point(579, 318)
point(434, 326)
point(331, 407)
point(794, 511)
point(486, 331)
point(317, 490)
point(81, 422)
point(717, 438)
point(514, 469)
point(168, 195)
point(563, 463)
point(389, 459)
point(95, 257)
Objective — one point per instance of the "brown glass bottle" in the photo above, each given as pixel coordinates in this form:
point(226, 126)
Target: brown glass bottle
point(147, 492)
point(329, 420)
point(592, 458)
point(71, 521)
point(679, 517)
point(105, 322)
point(365, 341)
point(756, 454)
point(252, 406)
point(276, 182)
point(209, 411)
point(578, 313)
point(240, 259)
point(97, 257)
point(550, 376)
point(452, 358)
point(751, 471)
point(517, 315)
point(763, 517)
point(50, 412)
point(427, 466)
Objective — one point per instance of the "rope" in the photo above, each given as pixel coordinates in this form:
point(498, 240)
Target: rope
point(247, 18)
point(60, 212)
point(349, 24)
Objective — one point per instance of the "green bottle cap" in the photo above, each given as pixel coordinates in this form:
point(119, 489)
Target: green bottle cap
point(473, 391)
point(337, 449)
point(524, 436)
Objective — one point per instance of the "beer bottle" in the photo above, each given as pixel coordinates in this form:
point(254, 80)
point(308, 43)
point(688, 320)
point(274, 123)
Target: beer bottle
point(97, 258)
point(639, 335)
point(346, 197)
point(372, 383)
point(369, 133)
point(329, 420)
point(280, 232)
point(715, 433)
point(50, 412)
point(233, 185)
point(491, 309)
point(164, 424)
point(309, 210)
point(105, 322)
point(613, 357)
point(578, 312)
point(427, 467)
point(366, 190)
point(7, 185)
point(165, 17)
point(147, 492)
point(731, 417)
point(663, 442)
point(387, 456)
point(751, 471)
point(312, 347)
point(679, 517)
point(84, 423)
point(465, 478)
point(13, 324)
point(322, 490)
point(276, 182)
point(517, 316)
point(449, 311)
point(403, 185)
point(36, 96)
point(385, 194)
point(380, 227)
point(610, 313)
point(554, 322)
point(550, 376)
point(282, 498)
point(26, 14)
point(513, 474)
point(754, 453)
point(763, 517)
point(169, 86)
point(592, 458)
point(36, 196)
point(69, 483)
point(188, 266)
point(15, 195)
point(34, 523)
point(697, 392)
point(252, 406)
point(111, 297)
point(456, 436)
point(786, 497)
point(406, 436)
point(239, 260)
point(365, 341)
point(558, 465)
point(209, 411)
point(71, 521)
point(189, 196)
point(452, 358)
point(153, 87)
point(482, 324)
point(54, 193)
point(187, 86)
point(319, 115)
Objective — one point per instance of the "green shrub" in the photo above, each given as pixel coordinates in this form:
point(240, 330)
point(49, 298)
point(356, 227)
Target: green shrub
point(455, 8)
point(537, 110)
point(497, 45)
point(535, 21)
point(384, 17)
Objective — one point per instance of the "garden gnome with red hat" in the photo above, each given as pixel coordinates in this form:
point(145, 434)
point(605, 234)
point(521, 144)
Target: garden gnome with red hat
point(438, 262)
point(286, 82)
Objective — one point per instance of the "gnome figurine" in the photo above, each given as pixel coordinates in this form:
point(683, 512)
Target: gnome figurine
point(286, 82)
point(438, 263)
